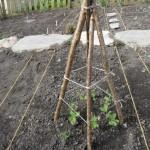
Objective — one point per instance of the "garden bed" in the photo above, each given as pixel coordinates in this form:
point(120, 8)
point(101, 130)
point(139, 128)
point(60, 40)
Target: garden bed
point(38, 130)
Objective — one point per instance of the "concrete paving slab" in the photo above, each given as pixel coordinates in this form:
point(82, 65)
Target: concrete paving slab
point(132, 38)
point(40, 42)
point(107, 38)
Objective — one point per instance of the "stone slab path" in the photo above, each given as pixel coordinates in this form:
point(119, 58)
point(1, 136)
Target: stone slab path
point(40, 42)
point(107, 38)
point(134, 38)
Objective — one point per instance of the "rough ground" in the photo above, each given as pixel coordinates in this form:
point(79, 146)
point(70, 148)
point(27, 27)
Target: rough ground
point(38, 131)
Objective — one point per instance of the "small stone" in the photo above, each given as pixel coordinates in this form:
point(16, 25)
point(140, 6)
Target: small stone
point(125, 125)
point(111, 14)
point(113, 20)
point(143, 70)
point(114, 25)
point(8, 42)
point(56, 23)
point(11, 117)
point(144, 10)
point(98, 118)
point(113, 74)
point(59, 60)
point(135, 18)
point(127, 97)
point(29, 20)
point(75, 143)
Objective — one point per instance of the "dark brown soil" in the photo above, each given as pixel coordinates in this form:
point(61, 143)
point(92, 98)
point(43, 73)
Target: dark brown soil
point(38, 131)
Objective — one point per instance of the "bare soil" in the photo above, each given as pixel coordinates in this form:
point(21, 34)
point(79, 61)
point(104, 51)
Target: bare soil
point(38, 131)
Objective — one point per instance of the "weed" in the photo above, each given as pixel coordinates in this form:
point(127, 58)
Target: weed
point(73, 114)
point(64, 135)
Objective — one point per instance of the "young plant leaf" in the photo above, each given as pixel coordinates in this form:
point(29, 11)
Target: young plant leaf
point(112, 118)
point(104, 108)
point(94, 122)
point(73, 116)
point(93, 94)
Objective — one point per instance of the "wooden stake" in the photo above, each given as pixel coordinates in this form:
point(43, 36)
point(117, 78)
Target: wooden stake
point(88, 84)
point(88, 14)
point(75, 41)
point(106, 67)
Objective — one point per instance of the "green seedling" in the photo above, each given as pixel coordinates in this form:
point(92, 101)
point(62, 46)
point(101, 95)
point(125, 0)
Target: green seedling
point(112, 119)
point(64, 135)
point(94, 122)
point(110, 116)
point(106, 104)
point(93, 94)
point(81, 97)
point(73, 114)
